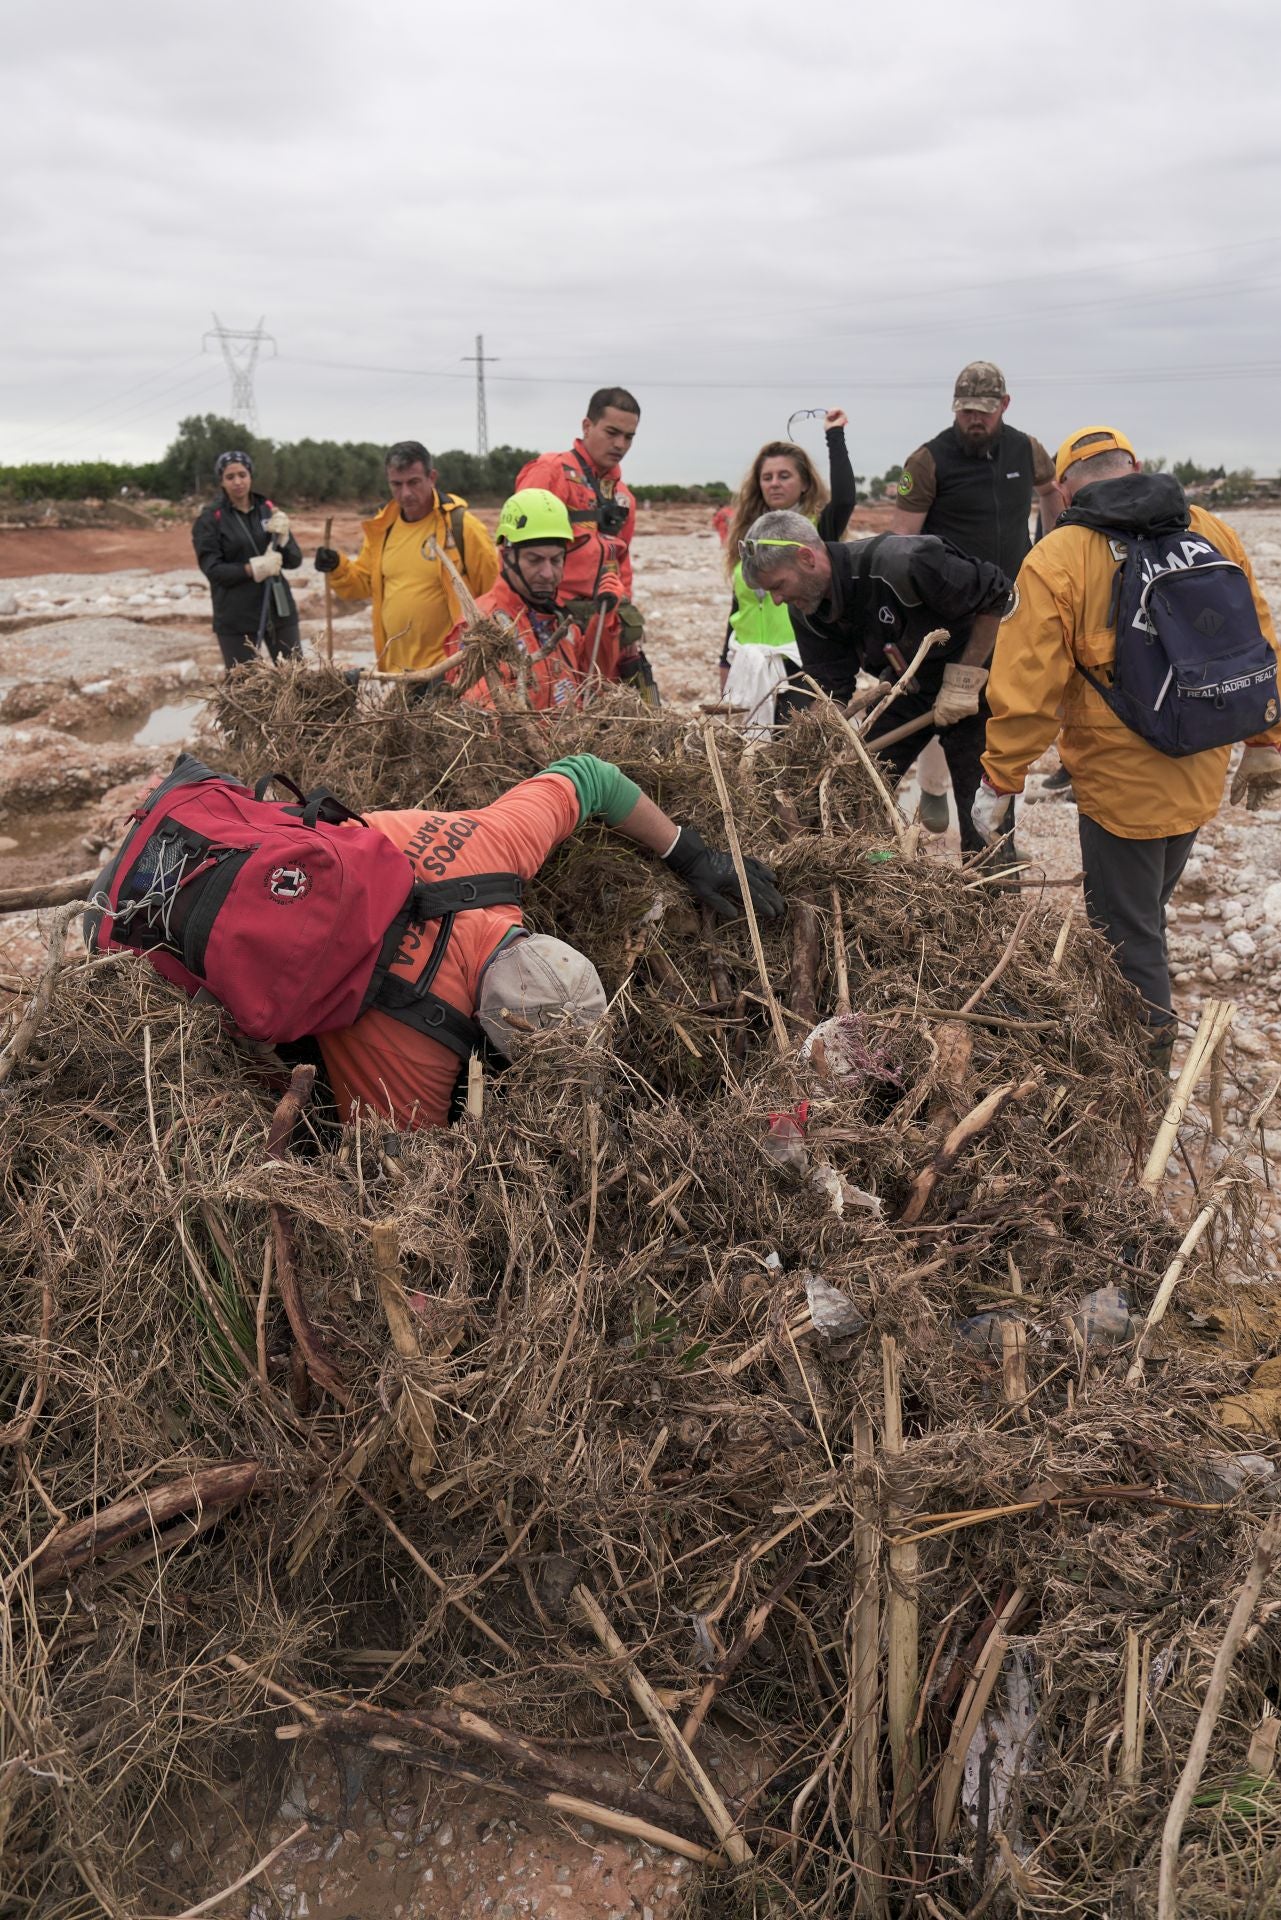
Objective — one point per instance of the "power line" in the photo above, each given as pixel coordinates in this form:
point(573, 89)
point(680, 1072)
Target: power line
point(930, 382)
point(240, 346)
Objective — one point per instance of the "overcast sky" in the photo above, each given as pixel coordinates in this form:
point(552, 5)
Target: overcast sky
point(735, 210)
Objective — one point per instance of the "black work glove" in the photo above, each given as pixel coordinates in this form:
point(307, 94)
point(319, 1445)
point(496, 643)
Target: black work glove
point(710, 877)
point(327, 560)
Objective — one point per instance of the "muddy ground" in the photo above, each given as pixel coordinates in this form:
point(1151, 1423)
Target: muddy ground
point(105, 655)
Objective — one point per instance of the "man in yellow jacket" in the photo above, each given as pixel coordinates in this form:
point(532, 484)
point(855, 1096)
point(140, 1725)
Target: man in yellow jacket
point(1140, 810)
point(415, 605)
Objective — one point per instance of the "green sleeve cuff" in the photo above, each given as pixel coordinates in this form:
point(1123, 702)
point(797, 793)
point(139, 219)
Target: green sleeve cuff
point(601, 788)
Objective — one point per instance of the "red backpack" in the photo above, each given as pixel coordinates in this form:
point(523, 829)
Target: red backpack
point(289, 916)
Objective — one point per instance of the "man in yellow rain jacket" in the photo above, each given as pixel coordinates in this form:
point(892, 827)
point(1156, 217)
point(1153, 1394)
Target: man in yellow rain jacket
point(415, 605)
point(1139, 809)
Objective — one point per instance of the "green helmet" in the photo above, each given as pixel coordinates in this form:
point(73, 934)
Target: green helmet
point(533, 514)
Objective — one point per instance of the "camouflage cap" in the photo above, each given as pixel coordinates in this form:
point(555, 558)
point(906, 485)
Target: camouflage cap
point(979, 387)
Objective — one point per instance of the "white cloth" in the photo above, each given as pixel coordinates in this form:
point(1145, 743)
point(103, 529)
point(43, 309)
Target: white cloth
point(755, 673)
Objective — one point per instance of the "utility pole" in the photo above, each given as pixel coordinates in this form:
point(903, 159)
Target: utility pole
point(240, 351)
point(482, 424)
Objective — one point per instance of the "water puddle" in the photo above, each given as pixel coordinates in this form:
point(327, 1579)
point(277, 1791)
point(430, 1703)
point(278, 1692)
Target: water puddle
point(169, 726)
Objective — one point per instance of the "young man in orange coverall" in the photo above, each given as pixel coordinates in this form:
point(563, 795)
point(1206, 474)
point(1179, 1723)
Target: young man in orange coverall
point(533, 538)
point(489, 965)
point(602, 511)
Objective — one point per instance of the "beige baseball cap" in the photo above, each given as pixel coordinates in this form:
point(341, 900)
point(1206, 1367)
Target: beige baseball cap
point(542, 982)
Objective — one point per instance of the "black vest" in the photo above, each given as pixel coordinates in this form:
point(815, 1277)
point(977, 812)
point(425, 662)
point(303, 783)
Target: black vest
point(982, 504)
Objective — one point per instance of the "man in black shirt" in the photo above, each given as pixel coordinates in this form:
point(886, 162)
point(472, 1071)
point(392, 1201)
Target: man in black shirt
point(859, 604)
point(973, 484)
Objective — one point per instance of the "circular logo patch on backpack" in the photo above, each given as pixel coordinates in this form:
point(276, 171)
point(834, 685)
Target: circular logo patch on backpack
point(288, 883)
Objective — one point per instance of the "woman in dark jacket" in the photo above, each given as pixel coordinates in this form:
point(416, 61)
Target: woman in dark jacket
point(241, 543)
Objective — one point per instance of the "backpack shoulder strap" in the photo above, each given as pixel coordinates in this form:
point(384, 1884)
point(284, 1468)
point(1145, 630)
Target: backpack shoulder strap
point(438, 900)
point(455, 513)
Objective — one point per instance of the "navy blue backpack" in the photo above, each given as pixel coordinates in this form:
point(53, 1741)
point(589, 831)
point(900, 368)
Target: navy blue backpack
point(1193, 667)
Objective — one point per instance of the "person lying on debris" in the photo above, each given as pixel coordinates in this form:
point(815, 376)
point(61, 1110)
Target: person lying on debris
point(242, 542)
point(301, 921)
point(868, 604)
point(1087, 630)
point(533, 538)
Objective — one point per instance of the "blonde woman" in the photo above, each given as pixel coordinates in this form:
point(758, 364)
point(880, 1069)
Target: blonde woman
point(760, 647)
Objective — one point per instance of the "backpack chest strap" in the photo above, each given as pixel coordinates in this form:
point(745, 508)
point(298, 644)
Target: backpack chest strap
point(412, 1001)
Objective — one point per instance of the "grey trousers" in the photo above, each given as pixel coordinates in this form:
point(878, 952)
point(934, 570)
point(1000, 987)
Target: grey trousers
point(1128, 884)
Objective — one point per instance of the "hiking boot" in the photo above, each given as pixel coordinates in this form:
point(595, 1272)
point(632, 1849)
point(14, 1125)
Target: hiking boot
point(935, 813)
point(1060, 781)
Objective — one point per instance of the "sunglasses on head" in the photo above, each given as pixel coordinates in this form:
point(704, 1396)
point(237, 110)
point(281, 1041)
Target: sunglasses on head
point(752, 549)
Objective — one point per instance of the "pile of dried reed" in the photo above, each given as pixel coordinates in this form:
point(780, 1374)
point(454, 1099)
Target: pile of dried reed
point(645, 1397)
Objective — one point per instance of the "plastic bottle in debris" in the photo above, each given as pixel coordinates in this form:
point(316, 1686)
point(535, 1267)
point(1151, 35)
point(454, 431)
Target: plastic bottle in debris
point(784, 1145)
point(1102, 1318)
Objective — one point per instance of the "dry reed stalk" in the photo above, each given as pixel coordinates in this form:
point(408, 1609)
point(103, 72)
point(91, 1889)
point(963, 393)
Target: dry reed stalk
point(1014, 1366)
point(517, 1750)
point(1215, 1021)
point(752, 1629)
point(329, 600)
point(966, 1129)
point(688, 1767)
point(1025, 919)
point(18, 1431)
point(319, 1363)
point(749, 910)
point(1060, 944)
point(516, 1786)
point(475, 1087)
point(1219, 1195)
point(969, 1717)
point(210, 1492)
point(38, 1006)
point(442, 1586)
point(47, 893)
point(1265, 1554)
point(865, 1803)
point(330, 1502)
point(414, 1415)
point(840, 957)
point(902, 1660)
point(259, 1866)
point(471, 612)
point(904, 680)
point(1134, 1710)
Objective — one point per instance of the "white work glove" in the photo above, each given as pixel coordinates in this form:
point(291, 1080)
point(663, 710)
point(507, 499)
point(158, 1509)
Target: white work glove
point(265, 566)
point(989, 811)
point(958, 697)
point(1257, 777)
point(278, 525)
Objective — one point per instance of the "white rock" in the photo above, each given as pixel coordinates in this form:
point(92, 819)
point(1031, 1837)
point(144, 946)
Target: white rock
point(1271, 904)
point(1242, 945)
point(1224, 966)
point(8, 602)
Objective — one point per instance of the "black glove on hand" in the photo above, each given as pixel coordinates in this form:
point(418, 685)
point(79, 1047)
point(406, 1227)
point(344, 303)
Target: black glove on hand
point(327, 560)
point(710, 877)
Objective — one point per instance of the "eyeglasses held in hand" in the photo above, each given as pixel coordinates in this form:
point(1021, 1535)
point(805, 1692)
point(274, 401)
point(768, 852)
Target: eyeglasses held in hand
point(806, 413)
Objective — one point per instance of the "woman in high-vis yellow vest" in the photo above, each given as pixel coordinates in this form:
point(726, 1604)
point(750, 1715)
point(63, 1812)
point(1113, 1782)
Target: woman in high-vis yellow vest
point(760, 648)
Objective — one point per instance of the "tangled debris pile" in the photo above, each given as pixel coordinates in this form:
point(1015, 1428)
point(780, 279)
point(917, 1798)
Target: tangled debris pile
point(693, 1374)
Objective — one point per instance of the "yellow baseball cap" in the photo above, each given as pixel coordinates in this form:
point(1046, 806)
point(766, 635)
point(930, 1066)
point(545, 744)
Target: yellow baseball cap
point(1088, 442)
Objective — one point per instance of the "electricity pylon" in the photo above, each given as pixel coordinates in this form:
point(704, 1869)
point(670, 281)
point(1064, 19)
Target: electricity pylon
point(240, 347)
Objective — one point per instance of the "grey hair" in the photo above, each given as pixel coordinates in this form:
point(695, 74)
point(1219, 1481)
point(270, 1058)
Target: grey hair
point(785, 525)
point(408, 453)
point(1103, 466)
